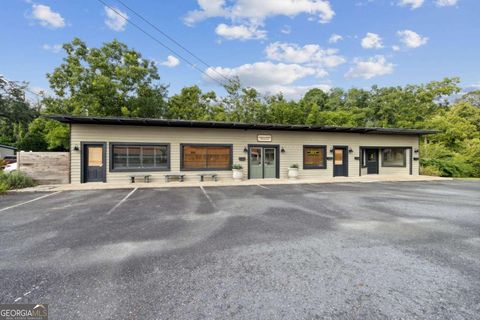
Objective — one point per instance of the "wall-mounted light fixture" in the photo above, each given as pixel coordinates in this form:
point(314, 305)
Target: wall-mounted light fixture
point(76, 148)
point(416, 150)
point(350, 150)
point(331, 150)
point(245, 150)
point(282, 150)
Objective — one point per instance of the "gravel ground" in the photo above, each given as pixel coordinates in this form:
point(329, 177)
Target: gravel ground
point(398, 250)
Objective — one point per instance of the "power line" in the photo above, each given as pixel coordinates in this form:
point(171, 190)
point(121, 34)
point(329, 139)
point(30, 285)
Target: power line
point(172, 39)
point(160, 42)
point(16, 86)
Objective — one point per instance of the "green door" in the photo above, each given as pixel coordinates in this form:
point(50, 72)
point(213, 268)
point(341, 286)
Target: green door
point(263, 162)
point(269, 163)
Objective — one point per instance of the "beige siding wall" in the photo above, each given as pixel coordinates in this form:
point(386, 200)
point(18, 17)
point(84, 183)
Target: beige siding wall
point(291, 141)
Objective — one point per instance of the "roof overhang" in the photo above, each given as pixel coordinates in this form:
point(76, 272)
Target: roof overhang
point(231, 125)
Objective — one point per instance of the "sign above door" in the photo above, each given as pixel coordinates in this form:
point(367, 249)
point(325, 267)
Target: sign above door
point(264, 138)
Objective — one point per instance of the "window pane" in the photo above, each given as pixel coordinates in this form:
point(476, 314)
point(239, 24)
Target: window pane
point(95, 156)
point(394, 157)
point(134, 157)
point(119, 157)
point(161, 156)
point(148, 157)
point(313, 156)
point(194, 157)
point(338, 157)
point(218, 157)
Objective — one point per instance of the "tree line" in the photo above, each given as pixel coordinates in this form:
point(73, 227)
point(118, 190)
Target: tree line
point(115, 80)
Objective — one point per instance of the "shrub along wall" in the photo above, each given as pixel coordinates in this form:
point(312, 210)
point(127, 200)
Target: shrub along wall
point(45, 167)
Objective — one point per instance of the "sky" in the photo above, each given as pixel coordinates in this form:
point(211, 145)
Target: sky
point(287, 46)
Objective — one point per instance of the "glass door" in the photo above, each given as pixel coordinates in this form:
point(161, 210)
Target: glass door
point(269, 163)
point(256, 163)
point(262, 162)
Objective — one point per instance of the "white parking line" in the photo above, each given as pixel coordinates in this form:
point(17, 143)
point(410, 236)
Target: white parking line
point(21, 204)
point(122, 201)
point(263, 187)
point(208, 198)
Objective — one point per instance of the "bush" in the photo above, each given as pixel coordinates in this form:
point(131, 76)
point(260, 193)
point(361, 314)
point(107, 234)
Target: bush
point(15, 180)
point(237, 167)
point(450, 167)
point(430, 171)
point(294, 166)
point(3, 187)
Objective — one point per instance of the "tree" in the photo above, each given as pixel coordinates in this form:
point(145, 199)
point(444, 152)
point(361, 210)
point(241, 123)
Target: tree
point(112, 80)
point(16, 111)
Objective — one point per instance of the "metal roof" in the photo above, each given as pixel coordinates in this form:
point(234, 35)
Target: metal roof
point(7, 147)
point(230, 125)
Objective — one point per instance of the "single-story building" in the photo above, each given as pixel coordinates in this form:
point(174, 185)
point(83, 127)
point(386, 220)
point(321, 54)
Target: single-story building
point(112, 149)
point(7, 151)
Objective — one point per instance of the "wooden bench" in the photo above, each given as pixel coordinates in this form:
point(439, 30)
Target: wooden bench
point(146, 178)
point(213, 176)
point(170, 177)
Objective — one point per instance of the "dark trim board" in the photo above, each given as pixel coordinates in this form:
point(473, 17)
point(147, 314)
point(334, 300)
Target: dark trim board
point(231, 125)
point(277, 159)
point(140, 144)
point(82, 158)
point(206, 145)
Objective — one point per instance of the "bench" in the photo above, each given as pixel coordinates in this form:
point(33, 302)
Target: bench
point(170, 177)
point(146, 178)
point(210, 175)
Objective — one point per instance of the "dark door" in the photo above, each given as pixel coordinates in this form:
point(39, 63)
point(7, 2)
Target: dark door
point(372, 161)
point(93, 163)
point(340, 161)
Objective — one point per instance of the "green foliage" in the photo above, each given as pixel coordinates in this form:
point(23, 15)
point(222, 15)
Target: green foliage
point(430, 171)
point(3, 186)
point(115, 80)
point(237, 166)
point(294, 166)
point(15, 180)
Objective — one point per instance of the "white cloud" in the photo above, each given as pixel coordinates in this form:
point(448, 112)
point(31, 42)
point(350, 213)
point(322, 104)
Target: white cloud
point(446, 3)
point(372, 41)
point(263, 74)
point(310, 54)
point(286, 29)
point(414, 4)
point(171, 62)
point(411, 39)
point(369, 68)
point(47, 17)
point(292, 91)
point(396, 48)
point(55, 48)
point(240, 32)
point(334, 38)
point(114, 21)
point(255, 12)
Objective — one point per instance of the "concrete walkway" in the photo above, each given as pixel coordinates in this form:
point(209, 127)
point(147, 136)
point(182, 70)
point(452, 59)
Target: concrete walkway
point(176, 184)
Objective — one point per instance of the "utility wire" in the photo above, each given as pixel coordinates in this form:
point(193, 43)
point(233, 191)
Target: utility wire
point(172, 39)
point(160, 42)
point(16, 86)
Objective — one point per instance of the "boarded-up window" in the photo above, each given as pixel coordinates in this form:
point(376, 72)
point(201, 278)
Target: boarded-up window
point(199, 157)
point(314, 157)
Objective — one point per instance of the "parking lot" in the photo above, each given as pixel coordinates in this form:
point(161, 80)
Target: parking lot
point(305, 251)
